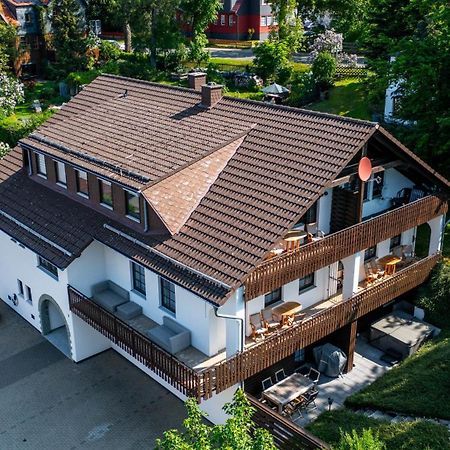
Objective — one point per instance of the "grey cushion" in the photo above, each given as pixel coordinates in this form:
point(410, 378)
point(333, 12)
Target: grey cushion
point(128, 311)
point(109, 295)
point(171, 336)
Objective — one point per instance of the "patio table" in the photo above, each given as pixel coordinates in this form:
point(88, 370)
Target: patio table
point(286, 390)
point(286, 311)
point(390, 262)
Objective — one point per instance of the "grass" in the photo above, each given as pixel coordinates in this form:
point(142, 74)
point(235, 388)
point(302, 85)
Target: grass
point(419, 386)
point(232, 61)
point(242, 93)
point(417, 435)
point(347, 98)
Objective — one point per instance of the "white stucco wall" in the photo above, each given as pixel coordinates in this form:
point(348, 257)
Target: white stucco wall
point(325, 211)
point(394, 181)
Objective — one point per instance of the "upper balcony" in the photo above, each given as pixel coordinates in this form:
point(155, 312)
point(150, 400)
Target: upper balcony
point(322, 251)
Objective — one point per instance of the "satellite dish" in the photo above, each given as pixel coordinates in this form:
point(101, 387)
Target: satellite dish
point(365, 169)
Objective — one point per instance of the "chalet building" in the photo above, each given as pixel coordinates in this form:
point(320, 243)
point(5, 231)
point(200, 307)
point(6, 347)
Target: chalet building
point(158, 221)
point(242, 20)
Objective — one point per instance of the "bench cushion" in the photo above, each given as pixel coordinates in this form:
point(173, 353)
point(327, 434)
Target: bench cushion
point(109, 300)
point(128, 311)
point(161, 335)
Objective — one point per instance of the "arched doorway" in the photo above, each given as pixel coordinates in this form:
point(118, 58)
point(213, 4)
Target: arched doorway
point(54, 325)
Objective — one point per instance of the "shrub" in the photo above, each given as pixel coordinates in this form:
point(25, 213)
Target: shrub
point(271, 60)
point(303, 89)
point(366, 441)
point(11, 93)
point(4, 149)
point(323, 70)
point(109, 51)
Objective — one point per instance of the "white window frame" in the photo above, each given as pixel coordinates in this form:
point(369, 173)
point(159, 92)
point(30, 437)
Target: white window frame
point(60, 168)
point(41, 166)
point(222, 20)
point(78, 172)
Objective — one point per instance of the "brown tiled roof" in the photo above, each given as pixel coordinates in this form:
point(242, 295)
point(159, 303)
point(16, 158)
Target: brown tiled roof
point(175, 197)
point(152, 132)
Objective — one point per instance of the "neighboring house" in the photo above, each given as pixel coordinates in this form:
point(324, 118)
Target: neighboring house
point(145, 218)
point(30, 17)
point(240, 20)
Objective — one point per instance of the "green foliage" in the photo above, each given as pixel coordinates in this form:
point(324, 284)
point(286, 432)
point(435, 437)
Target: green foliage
point(323, 70)
point(108, 51)
point(69, 38)
point(418, 435)
point(303, 89)
point(290, 28)
point(366, 441)
point(13, 130)
point(11, 93)
point(272, 60)
point(4, 149)
point(238, 433)
point(199, 14)
point(7, 46)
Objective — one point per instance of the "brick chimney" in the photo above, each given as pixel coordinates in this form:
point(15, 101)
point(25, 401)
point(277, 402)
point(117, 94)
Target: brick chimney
point(211, 94)
point(196, 80)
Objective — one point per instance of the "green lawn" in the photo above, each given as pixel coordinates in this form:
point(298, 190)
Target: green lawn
point(347, 98)
point(420, 385)
point(232, 61)
point(418, 435)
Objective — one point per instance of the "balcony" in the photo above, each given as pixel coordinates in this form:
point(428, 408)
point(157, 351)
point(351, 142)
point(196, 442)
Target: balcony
point(292, 265)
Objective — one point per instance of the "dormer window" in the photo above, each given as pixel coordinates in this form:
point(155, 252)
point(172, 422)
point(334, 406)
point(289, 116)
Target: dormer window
point(60, 170)
point(41, 167)
point(132, 206)
point(82, 183)
point(105, 193)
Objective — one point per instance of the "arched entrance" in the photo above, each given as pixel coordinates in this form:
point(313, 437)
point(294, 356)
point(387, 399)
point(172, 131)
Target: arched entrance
point(54, 325)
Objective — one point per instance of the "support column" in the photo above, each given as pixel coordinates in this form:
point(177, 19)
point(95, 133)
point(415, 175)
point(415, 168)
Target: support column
point(436, 236)
point(350, 344)
point(233, 311)
point(352, 266)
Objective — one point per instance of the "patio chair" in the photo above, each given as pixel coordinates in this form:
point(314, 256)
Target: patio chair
point(313, 229)
point(408, 253)
point(258, 328)
point(376, 269)
point(267, 383)
point(269, 320)
point(370, 276)
point(310, 398)
point(280, 375)
point(293, 407)
point(314, 375)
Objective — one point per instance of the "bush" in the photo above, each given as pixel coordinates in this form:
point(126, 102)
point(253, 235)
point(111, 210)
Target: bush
point(109, 51)
point(366, 441)
point(303, 89)
point(272, 61)
point(323, 70)
point(4, 149)
point(12, 132)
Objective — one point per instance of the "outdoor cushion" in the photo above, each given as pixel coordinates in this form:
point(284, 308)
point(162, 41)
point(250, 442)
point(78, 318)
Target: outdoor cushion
point(128, 311)
point(109, 295)
point(171, 336)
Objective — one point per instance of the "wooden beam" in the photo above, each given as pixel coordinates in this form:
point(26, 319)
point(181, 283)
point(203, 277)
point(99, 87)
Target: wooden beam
point(350, 346)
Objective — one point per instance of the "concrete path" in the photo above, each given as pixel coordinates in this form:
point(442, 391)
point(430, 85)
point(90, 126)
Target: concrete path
point(367, 368)
point(47, 402)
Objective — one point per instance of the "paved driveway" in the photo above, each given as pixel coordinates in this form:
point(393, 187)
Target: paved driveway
point(48, 402)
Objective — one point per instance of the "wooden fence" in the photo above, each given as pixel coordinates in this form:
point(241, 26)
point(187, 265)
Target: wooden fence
point(165, 365)
point(288, 267)
point(286, 434)
point(282, 344)
point(350, 72)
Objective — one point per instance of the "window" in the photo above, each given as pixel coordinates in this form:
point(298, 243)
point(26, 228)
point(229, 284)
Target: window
point(132, 206)
point(370, 253)
point(374, 187)
point(272, 297)
point(395, 241)
point(20, 287)
point(269, 21)
point(309, 217)
point(264, 21)
point(60, 170)
point(28, 295)
point(82, 183)
point(230, 20)
point(138, 273)
point(305, 282)
point(167, 295)
point(222, 19)
point(41, 167)
point(28, 18)
point(48, 267)
point(105, 193)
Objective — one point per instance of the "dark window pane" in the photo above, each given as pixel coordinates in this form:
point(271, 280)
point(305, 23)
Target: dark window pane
point(60, 170)
point(395, 241)
point(370, 253)
point(82, 182)
point(41, 167)
point(306, 282)
point(105, 193)
point(48, 266)
point(272, 297)
point(138, 278)
point(167, 295)
point(132, 205)
point(378, 182)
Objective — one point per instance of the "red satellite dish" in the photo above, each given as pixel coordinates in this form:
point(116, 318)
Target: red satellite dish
point(365, 169)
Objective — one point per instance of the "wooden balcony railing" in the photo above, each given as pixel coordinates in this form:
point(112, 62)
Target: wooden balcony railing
point(167, 366)
point(286, 434)
point(288, 267)
point(284, 343)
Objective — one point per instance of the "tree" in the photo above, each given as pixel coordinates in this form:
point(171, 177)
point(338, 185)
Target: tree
point(238, 433)
point(11, 93)
point(69, 37)
point(323, 70)
point(199, 14)
point(7, 46)
point(289, 27)
point(271, 60)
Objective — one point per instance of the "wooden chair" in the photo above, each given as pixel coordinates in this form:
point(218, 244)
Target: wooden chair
point(269, 320)
point(376, 269)
point(310, 398)
point(313, 229)
point(370, 277)
point(293, 407)
point(267, 383)
point(280, 375)
point(258, 328)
